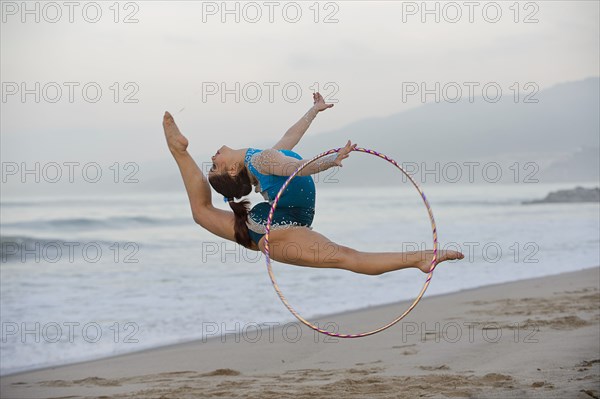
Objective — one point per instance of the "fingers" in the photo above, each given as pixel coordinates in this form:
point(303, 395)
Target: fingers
point(349, 146)
point(347, 149)
point(344, 153)
point(318, 99)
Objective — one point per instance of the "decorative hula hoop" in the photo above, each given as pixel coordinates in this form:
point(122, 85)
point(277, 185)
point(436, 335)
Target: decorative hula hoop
point(268, 259)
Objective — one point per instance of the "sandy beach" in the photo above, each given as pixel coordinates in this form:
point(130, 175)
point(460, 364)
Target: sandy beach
point(537, 338)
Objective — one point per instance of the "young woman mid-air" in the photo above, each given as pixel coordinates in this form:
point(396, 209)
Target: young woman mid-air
point(291, 239)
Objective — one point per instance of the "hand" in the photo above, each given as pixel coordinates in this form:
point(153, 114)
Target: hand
point(319, 102)
point(343, 153)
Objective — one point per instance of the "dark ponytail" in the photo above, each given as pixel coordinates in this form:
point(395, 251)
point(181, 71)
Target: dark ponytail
point(241, 216)
point(236, 187)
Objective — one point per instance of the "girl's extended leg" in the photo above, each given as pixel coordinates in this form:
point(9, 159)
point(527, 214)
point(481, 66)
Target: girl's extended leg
point(195, 183)
point(217, 221)
point(304, 247)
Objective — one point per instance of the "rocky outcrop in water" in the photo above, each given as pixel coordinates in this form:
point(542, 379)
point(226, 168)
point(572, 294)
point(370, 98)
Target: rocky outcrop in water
point(578, 194)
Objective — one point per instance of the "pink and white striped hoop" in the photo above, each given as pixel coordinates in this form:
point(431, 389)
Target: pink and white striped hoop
point(268, 259)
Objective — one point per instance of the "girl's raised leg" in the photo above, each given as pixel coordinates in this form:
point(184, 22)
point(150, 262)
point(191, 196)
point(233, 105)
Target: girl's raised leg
point(217, 221)
point(304, 247)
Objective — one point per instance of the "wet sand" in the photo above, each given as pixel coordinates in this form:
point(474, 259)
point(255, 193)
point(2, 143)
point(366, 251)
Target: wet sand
point(537, 338)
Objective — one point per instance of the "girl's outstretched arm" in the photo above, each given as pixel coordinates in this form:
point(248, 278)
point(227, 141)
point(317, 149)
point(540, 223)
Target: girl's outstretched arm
point(273, 162)
point(295, 133)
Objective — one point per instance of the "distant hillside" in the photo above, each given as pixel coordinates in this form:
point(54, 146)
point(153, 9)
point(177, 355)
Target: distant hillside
point(556, 139)
point(551, 133)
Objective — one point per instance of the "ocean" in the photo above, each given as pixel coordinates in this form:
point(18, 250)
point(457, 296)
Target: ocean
point(89, 277)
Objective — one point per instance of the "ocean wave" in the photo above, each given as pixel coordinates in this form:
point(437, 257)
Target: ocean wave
point(481, 202)
point(61, 202)
point(93, 224)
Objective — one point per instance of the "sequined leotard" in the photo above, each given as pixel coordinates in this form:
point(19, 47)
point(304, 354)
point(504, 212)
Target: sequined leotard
point(296, 206)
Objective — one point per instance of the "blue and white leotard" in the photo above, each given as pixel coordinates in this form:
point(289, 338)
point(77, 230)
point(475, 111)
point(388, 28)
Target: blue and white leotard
point(296, 206)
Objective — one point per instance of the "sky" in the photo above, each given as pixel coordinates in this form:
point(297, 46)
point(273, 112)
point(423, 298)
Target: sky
point(105, 72)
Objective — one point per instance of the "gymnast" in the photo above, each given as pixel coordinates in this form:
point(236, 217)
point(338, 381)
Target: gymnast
point(235, 172)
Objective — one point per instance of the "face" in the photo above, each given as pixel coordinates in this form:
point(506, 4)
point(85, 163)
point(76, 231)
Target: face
point(221, 160)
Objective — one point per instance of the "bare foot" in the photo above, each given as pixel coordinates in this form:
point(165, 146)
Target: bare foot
point(176, 141)
point(442, 255)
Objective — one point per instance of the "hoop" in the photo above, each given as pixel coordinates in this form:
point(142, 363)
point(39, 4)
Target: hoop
point(268, 259)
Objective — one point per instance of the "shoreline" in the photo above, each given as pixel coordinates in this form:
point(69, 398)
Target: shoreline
point(537, 337)
point(318, 318)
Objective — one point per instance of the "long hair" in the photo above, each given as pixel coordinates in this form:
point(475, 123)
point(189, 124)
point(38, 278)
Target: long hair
point(236, 187)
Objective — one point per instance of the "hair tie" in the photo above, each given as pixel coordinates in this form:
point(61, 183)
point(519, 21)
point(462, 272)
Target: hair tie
point(225, 199)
